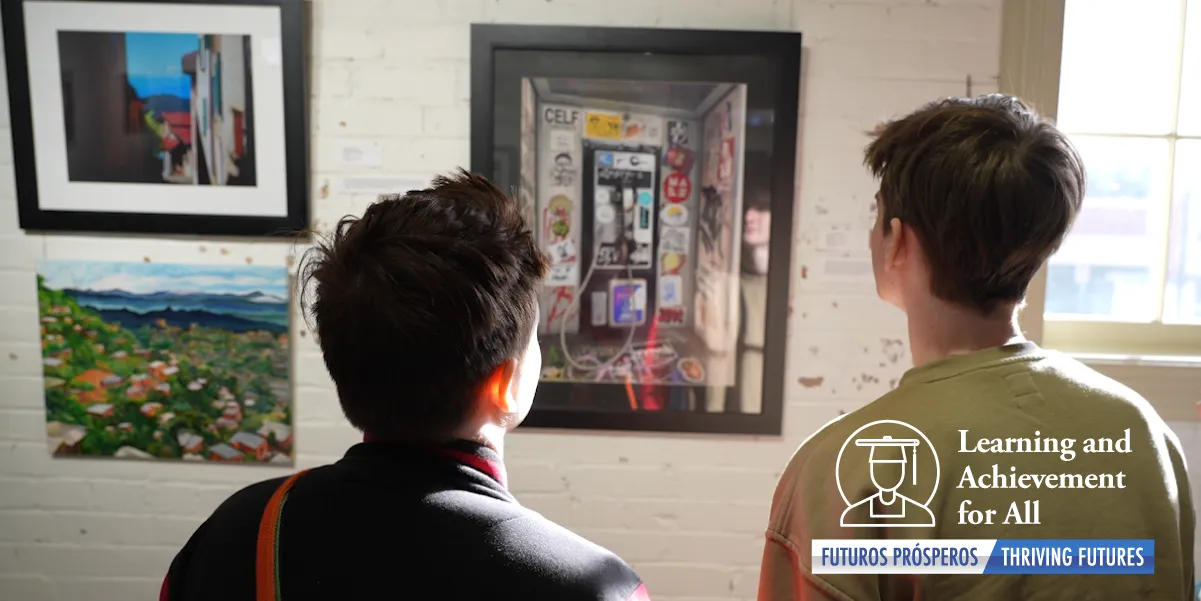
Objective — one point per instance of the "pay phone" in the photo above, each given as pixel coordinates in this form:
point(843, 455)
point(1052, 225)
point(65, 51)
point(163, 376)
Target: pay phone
point(619, 240)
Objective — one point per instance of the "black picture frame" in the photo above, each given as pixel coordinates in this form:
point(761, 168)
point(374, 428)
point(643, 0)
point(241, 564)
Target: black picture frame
point(34, 219)
point(784, 48)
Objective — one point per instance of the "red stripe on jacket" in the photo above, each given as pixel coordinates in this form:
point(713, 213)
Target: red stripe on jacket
point(491, 468)
point(640, 594)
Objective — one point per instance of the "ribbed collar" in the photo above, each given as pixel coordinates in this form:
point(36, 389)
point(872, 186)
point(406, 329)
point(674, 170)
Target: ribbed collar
point(959, 364)
point(465, 452)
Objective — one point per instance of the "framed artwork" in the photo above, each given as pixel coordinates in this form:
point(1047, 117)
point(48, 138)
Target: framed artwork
point(653, 160)
point(159, 116)
point(166, 361)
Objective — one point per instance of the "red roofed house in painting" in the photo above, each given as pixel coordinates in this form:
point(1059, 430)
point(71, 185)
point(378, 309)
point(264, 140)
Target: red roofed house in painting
point(248, 442)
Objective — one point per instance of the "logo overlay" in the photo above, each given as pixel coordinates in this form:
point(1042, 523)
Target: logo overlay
point(888, 473)
point(896, 501)
point(983, 556)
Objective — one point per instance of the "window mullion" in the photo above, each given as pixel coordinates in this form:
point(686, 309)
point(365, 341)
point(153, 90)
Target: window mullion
point(1160, 275)
point(1180, 37)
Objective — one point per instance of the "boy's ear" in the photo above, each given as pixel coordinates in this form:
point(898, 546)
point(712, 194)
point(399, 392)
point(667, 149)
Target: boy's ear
point(896, 244)
point(497, 387)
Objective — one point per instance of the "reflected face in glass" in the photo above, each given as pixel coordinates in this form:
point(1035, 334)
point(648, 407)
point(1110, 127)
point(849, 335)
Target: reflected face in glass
point(756, 233)
point(757, 228)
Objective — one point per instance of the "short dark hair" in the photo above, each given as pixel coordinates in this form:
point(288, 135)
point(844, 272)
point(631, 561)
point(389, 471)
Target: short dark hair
point(419, 300)
point(989, 187)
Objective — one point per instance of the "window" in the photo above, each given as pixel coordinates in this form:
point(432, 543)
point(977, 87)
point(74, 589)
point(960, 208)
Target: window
point(1128, 278)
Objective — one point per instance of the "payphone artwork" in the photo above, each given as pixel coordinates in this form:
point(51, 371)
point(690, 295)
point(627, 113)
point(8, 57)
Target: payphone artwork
point(652, 163)
point(638, 202)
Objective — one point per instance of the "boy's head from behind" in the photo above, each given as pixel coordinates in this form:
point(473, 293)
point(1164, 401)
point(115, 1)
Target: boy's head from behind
point(426, 312)
point(975, 194)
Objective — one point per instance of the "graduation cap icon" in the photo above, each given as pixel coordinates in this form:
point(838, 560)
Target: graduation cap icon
point(889, 442)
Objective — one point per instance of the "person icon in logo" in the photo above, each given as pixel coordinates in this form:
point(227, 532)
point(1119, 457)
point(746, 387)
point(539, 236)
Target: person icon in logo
point(888, 507)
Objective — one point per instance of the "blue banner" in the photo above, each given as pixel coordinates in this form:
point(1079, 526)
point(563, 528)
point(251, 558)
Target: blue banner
point(1072, 556)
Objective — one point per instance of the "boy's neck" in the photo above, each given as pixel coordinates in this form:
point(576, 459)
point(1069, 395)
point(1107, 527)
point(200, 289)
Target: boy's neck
point(938, 329)
point(490, 435)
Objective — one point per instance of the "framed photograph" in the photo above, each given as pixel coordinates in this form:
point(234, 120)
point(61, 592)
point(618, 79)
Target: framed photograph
point(652, 163)
point(159, 116)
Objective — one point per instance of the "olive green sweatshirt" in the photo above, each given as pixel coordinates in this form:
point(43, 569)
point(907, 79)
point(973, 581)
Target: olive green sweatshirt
point(1030, 444)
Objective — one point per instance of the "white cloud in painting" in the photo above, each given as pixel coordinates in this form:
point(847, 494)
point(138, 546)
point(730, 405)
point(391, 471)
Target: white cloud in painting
point(147, 278)
point(192, 284)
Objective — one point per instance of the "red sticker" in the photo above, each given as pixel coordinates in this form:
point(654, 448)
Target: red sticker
point(671, 316)
point(677, 187)
point(680, 158)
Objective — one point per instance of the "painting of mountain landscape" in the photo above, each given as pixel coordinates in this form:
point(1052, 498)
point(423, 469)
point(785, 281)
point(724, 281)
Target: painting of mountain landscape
point(166, 361)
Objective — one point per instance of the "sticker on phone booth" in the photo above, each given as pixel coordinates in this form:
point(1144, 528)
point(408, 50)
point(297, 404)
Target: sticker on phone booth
point(674, 239)
point(645, 198)
point(674, 215)
point(562, 141)
point(628, 302)
point(671, 291)
point(562, 251)
point(604, 159)
point(600, 309)
point(563, 274)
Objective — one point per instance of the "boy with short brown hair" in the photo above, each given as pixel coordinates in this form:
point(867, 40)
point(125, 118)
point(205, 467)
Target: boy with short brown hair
point(975, 195)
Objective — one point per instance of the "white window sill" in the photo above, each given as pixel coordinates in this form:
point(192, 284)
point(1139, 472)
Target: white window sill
point(1180, 361)
point(1172, 384)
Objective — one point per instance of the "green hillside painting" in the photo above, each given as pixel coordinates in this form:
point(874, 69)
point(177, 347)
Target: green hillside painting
point(166, 361)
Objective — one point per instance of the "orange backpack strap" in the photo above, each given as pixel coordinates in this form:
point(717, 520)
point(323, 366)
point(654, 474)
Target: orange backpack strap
point(266, 570)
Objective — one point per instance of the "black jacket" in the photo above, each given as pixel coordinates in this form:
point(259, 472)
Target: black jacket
point(399, 522)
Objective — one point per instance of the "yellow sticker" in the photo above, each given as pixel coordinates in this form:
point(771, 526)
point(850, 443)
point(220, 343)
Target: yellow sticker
point(601, 125)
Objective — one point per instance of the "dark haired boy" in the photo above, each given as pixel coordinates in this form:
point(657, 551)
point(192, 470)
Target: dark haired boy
point(975, 195)
point(425, 310)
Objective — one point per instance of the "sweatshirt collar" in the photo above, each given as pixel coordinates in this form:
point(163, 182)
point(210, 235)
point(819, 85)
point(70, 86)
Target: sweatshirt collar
point(464, 452)
point(960, 364)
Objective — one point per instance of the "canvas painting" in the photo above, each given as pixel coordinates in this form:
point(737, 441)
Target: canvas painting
point(166, 361)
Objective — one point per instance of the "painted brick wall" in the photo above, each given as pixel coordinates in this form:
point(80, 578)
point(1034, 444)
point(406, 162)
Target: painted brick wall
point(395, 73)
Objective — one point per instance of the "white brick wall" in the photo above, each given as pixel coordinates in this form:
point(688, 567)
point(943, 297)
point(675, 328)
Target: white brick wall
point(395, 72)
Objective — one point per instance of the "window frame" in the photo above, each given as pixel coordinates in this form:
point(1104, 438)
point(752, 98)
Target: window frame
point(1158, 360)
point(1155, 338)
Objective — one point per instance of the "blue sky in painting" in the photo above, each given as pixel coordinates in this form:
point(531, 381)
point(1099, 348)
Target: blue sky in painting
point(146, 278)
point(154, 62)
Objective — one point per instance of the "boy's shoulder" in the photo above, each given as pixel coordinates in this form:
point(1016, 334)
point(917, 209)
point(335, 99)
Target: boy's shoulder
point(556, 562)
point(827, 441)
point(1056, 387)
point(513, 546)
